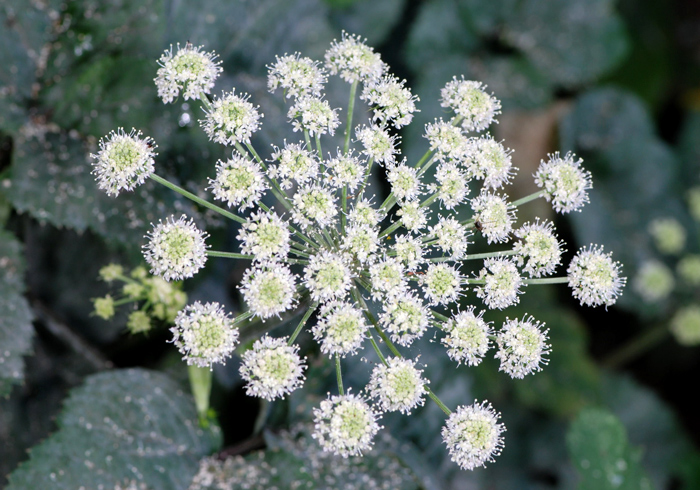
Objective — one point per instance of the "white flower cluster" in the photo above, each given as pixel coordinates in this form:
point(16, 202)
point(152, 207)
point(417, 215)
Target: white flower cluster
point(327, 248)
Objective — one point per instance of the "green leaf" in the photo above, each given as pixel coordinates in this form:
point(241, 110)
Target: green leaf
point(598, 446)
point(120, 425)
point(16, 330)
point(571, 42)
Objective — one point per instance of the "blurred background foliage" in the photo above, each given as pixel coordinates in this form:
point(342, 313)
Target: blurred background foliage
point(616, 82)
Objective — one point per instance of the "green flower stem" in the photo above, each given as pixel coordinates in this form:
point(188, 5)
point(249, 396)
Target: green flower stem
point(429, 201)
point(297, 261)
point(276, 189)
point(529, 198)
point(488, 255)
point(377, 350)
point(205, 101)
point(548, 280)
point(299, 253)
point(200, 384)
point(303, 321)
point(439, 316)
point(636, 347)
point(339, 375)
point(390, 229)
point(427, 166)
point(348, 124)
point(229, 255)
point(445, 258)
point(437, 401)
point(251, 149)
point(307, 140)
point(242, 317)
point(423, 159)
point(319, 150)
point(124, 301)
point(344, 207)
point(196, 199)
point(368, 172)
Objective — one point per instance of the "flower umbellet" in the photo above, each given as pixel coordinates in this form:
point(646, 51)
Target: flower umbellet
point(336, 255)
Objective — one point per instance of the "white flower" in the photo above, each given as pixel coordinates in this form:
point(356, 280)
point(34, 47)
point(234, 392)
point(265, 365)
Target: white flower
point(361, 241)
point(204, 334)
point(452, 237)
point(502, 283)
point(494, 216)
point(473, 435)
point(654, 281)
point(595, 277)
point(189, 70)
point(447, 140)
point(409, 251)
point(363, 214)
point(491, 162)
point(345, 425)
point(176, 249)
point(314, 115)
point(239, 182)
point(124, 161)
point(327, 276)
point(268, 290)
point(442, 283)
point(295, 162)
point(452, 187)
point(538, 248)
point(393, 102)
point(522, 345)
point(341, 328)
point(296, 75)
point(354, 60)
point(314, 205)
point(271, 368)
point(404, 181)
point(469, 100)
point(398, 386)
point(387, 278)
point(377, 143)
point(265, 236)
point(231, 119)
point(413, 216)
point(347, 170)
point(564, 182)
point(467, 337)
point(405, 318)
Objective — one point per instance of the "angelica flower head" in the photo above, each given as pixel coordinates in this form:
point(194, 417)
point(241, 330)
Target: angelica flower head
point(387, 278)
point(176, 249)
point(473, 435)
point(268, 289)
point(452, 185)
point(204, 334)
point(313, 114)
point(345, 425)
point(347, 170)
point(404, 181)
point(354, 60)
point(124, 161)
point(688, 269)
point(294, 162)
point(361, 242)
point(409, 251)
point(467, 338)
point(452, 237)
point(298, 76)
point(398, 385)
point(654, 281)
point(494, 215)
point(564, 182)
point(441, 284)
point(469, 100)
point(327, 276)
point(340, 329)
point(363, 214)
point(265, 236)
point(405, 318)
point(314, 205)
point(231, 119)
point(271, 368)
point(239, 182)
point(447, 140)
point(491, 162)
point(393, 103)
point(538, 249)
point(522, 345)
point(594, 277)
point(413, 216)
point(190, 70)
point(502, 283)
point(377, 143)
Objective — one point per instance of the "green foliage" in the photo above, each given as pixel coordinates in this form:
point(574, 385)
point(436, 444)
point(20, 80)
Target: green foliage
point(602, 455)
point(120, 425)
point(16, 330)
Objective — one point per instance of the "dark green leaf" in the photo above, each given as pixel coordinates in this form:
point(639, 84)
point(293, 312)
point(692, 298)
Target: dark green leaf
point(121, 425)
point(16, 330)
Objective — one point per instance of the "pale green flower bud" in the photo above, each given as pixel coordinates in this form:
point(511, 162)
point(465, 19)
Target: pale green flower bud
point(104, 307)
point(668, 234)
point(685, 325)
